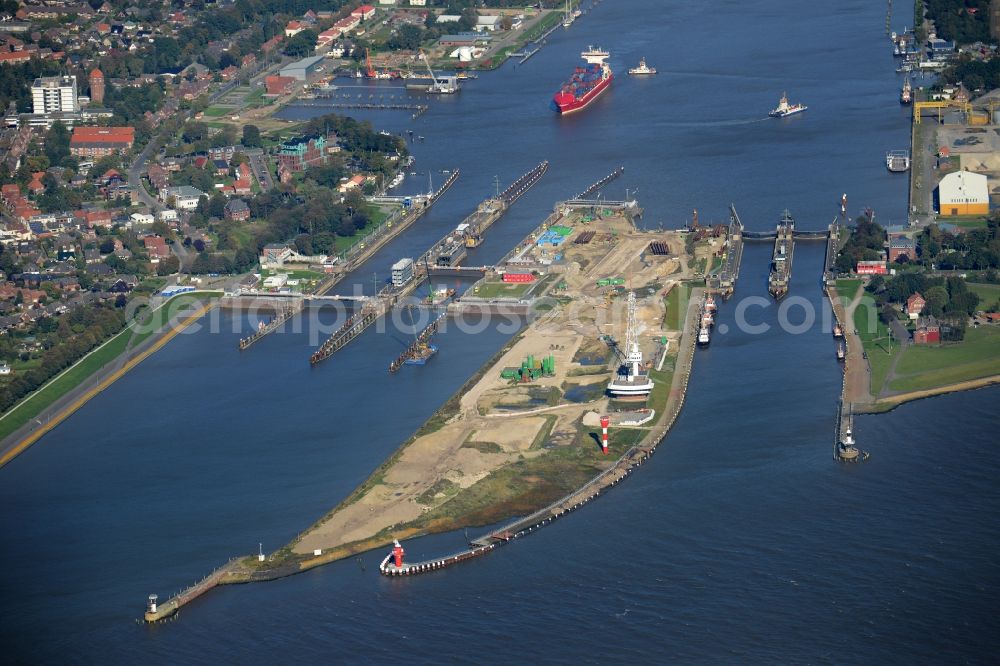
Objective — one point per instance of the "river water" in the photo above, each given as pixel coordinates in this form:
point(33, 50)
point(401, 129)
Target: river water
point(740, 541)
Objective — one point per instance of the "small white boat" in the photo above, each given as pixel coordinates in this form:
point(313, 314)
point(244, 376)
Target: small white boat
point(642, 69)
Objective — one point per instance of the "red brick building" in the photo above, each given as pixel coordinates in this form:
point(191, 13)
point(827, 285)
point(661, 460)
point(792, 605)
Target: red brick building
point(279, 85)
point(301, 153)
point(927, 334)
point(902, 246)
point(915, 305)
point(101, 141)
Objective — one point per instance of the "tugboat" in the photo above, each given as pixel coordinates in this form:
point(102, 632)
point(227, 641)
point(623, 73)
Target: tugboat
point(906, 94)
point(785, 109)
point(642, 69)
point(838, 331)
point(420, 354)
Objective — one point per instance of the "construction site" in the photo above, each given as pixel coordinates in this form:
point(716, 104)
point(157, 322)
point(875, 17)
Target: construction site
point(526, 430)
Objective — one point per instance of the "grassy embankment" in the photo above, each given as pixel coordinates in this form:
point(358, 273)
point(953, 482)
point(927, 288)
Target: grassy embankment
point(927, 367)
point(677, 304)
point(873, 333)
point(68, 380)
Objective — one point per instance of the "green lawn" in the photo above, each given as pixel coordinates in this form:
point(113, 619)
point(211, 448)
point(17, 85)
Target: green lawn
point(255, 97)
point(970, 222)
point(501, 289)
point(923, 367)
point(677, 304)
point(48, 394)
point(218, 111)
point(875, 340)
point(847, 288)
point(988, 294)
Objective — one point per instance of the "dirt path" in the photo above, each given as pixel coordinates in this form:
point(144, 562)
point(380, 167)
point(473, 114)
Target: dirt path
point(857, 382)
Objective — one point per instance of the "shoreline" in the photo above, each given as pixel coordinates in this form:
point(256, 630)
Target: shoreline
point(78, 396)
point(889, 403)
point(284, 563)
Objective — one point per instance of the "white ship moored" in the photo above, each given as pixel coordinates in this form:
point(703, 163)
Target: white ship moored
point(632, 380)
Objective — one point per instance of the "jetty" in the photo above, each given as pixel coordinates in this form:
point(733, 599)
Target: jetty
point(156, 612)
point(724, 281)
point(451, 250)
point(287, 312)
point(601, 183)
point(421, 340)
point(354, 326)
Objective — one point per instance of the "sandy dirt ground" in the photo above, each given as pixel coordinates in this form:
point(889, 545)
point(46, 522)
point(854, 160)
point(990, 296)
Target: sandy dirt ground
point(498, 420)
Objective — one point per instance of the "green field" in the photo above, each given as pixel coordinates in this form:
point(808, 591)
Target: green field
point(875, 340)
point(677, 304)
point(847, 288)
point(218, 111)
point(971, 222)
point(988, 294)
point(924, 367)
point(501, 289)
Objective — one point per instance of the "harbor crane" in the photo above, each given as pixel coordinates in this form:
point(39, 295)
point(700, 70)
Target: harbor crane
point(446, 85)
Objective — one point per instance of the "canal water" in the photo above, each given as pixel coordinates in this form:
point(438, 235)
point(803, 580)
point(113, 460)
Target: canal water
point(740, 541)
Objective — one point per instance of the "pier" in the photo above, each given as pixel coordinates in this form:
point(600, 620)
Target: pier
point(724, 282)
point(352, 328)
point(156, 612)
point(601, 183)
point(452, 249)
point(286, 313)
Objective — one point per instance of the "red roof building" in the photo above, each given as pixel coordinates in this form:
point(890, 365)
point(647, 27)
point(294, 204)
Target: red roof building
point(364, 12)
point(928, 334)
point(279, 85)
point(915, 305)
point(157, 248)
point(871, 268)
point(101, 141)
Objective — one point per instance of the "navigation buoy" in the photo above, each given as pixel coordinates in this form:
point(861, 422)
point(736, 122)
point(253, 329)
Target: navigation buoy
point(605, 422)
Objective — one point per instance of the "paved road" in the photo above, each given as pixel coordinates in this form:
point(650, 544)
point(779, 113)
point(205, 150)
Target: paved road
point(138, 166)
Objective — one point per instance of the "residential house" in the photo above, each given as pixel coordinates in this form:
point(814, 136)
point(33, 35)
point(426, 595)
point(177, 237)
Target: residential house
point(915, 305)
point(237, 209)
point(157, 248)
point(158, 177)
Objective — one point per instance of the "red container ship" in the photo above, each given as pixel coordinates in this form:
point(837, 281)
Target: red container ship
point(586, 84)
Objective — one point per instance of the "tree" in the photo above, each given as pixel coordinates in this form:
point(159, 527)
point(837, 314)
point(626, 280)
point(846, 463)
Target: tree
point(57, 144)
point(251, 136)
point(407, 37)
point(168, 266)
point(199, 245)
point(301, 44)
point(937, 298)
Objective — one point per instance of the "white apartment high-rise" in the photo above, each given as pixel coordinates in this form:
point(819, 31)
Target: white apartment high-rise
point(54, 94)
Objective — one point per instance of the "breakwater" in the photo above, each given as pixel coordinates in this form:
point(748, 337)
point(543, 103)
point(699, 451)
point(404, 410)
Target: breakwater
point(284, 315)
